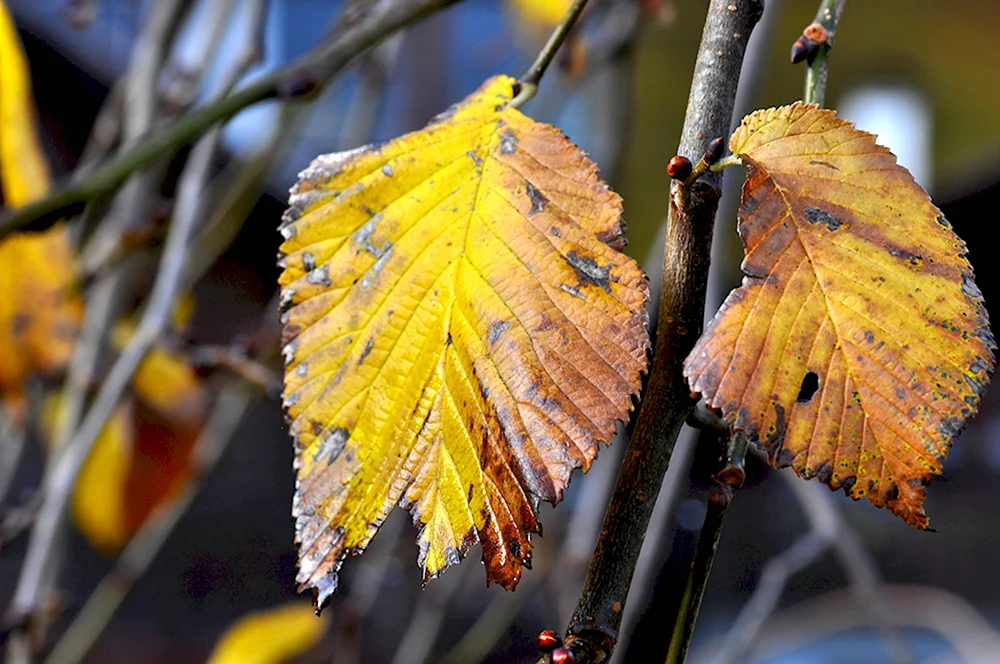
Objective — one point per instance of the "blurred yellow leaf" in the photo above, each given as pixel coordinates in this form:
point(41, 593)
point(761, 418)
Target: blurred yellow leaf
point(39, 312)
point(23, 171)
point(546, 13)
point(461, 334)
point(272, 636)
point(99, 498)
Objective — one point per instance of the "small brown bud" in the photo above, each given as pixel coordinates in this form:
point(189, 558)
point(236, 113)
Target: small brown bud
point(804, 49)
point(548, 641)
point(714, 150)
point(563, 656)
point(679, 168)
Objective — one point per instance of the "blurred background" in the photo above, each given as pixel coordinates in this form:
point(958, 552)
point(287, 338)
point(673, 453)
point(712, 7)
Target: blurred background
point(858, 585)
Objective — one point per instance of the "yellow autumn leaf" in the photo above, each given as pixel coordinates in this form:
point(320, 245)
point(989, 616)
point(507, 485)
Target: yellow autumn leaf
point(545, 13)
point(459, 336)
point(99, 498)
point(23, 171)
point(39, 312)
point(272, 636)
point(858, 345)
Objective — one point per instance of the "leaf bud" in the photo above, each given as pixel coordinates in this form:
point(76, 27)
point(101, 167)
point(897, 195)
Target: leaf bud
point(714, 151)
point(563, 656)
point(803, 49)
point(679, 168)
point(548, 641)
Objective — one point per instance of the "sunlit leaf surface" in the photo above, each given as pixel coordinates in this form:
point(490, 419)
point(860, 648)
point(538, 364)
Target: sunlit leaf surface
point(858, 345)
point(461, 334)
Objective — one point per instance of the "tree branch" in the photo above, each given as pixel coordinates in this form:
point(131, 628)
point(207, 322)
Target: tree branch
point(303, 77)
point(667, 402)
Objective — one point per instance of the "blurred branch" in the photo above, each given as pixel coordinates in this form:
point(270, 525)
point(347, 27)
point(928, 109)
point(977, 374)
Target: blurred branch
point(42, 559)
point(185, 77)
point(235, 359)
point(139, 109)
point(773, 580)
point(240, 192)
point(365, 105)
point(427, 619)
point(134, 561)
point(12, 438)
point(973, 638)
point(302, 78)
point(817, 503)
point(701, 566)
point(59, 482)
point(827, 529)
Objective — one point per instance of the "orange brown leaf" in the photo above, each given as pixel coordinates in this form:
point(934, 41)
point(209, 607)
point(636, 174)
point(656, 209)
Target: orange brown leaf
point(858, 344)
point(460, 335)
point(142, 457)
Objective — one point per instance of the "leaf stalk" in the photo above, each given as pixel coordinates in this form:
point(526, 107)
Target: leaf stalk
point(530, 79)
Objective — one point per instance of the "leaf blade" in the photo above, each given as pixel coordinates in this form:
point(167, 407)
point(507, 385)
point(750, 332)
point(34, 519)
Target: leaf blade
point(855, 278)
point(458, 330)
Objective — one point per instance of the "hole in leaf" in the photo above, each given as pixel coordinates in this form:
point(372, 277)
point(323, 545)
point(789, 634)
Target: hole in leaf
point(810, 384)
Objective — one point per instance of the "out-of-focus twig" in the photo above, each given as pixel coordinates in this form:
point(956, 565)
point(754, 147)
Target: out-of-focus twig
point(83, 632)
point(303, 77)
point(185, 75)
point(861, 570)
point(427, 618)
point(973, 638)
point(139, 111)
point(236, 360)
point(365, 105)
point(827, 530)
point(12, 439)
point(41, 560)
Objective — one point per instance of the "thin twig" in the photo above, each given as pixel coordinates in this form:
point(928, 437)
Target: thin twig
point(701, 566)
point(530, 79)
point(303, 77)
point(828, 16)
point(236, 360)
point(827, 530)
point(59, 482)
point(186, 75)
point(142, 549)
point(240, 192)
point(667, 399)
